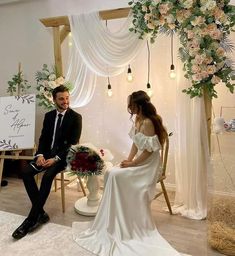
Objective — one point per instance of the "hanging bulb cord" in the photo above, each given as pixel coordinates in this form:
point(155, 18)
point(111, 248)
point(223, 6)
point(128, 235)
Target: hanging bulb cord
point(148, 60)
point(171, 47)
point(172, 60)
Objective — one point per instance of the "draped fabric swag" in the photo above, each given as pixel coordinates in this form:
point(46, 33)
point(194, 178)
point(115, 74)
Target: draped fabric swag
point(98, 52)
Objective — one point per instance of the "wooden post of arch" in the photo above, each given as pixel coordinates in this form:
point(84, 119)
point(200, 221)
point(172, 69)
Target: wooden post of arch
point(208, 111)
point(61, 29)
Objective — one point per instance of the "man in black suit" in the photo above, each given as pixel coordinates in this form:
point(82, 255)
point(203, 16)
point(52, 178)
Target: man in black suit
point(61, 129)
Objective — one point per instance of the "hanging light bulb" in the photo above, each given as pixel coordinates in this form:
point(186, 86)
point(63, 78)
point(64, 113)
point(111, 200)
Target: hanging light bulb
point(129, 76)
point(172, 73)
point(149, 90)
point(109, 92)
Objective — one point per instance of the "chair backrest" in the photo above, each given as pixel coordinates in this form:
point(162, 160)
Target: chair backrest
point(164, 155)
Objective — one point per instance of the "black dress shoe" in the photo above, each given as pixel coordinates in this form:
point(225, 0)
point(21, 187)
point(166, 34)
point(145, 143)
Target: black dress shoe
point(4, 183)
point(42, 219)
point(23, 229)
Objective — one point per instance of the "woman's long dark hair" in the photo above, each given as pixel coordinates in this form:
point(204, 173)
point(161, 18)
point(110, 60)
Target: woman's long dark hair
point(141, 100)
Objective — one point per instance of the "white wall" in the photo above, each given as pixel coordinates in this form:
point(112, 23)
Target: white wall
point(105, 120)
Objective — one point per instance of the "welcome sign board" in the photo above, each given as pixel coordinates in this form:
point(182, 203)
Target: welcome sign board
point(17, 121)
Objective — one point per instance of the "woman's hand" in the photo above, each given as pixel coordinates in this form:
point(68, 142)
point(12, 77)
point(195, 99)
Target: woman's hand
point(127, 163)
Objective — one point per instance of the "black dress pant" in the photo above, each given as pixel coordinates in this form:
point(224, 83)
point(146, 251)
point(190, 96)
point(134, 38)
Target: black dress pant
point(38, 196)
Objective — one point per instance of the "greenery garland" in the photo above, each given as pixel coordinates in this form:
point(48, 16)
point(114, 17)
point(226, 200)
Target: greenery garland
point(203, 27)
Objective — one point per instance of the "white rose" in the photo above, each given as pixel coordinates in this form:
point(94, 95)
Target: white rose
point(170, 18)
point(42, 89)
point(144, 8)
point(157, 1)
point(215, 79)
point(211, 5)
point(60, 80)
point(188, 4)
point(52, 84)
point(150, 25)
point(52, 77)
point(211, 69)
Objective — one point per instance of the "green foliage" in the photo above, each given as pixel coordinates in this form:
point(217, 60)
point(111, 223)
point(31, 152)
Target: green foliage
point(203, 27)
point(18, 84)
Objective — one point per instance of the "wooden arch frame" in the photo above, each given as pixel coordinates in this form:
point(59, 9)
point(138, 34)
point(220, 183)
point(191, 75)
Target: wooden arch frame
point(61, 29)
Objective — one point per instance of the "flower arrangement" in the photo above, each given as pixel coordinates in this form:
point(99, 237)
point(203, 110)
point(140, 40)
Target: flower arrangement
point(47, 81)
point(203, 27)
point(84, 161)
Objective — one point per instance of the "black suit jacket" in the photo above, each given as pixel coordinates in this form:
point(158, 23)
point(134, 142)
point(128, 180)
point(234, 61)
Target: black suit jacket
point(71, 128)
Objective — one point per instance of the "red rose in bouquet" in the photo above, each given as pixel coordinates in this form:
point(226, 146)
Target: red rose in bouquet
point(84, 161)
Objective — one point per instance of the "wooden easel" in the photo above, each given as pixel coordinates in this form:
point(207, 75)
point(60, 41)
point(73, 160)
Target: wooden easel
point(15, 154)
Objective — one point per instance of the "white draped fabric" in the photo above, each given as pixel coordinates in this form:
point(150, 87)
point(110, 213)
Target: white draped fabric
point(83, 79)
point(105, 53)
point(192, 160)
point(100, 52)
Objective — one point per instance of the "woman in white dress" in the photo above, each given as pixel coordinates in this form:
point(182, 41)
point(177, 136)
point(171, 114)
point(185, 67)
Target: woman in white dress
point(123, 225)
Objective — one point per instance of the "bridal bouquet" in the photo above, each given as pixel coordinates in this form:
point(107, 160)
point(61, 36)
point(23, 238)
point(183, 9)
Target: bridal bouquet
point(84, 161)
point(47, 80)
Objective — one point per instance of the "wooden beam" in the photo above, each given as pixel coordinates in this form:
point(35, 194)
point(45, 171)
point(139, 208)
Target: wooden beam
point(57, 51)
point(114, 13)
point(55, 21)
point(63, 33)
point(105, 15)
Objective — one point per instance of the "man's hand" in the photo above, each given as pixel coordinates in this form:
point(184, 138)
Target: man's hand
point(40, 161)
point(49, 162)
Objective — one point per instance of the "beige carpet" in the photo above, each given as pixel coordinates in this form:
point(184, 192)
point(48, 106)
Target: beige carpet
point(51, 239)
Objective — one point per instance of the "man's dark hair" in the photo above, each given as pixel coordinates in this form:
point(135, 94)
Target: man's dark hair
point(60, 88)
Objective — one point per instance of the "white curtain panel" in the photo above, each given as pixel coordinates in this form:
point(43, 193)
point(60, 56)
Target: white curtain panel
point(192, 160)
point(83, 79)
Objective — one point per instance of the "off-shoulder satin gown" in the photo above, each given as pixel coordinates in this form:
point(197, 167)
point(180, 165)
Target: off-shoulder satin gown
point(124, 225)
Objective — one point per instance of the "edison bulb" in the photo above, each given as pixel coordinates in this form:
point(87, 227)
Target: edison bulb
point(110, 93)
point(129, 77)
point(172, 74)
point(150, 92)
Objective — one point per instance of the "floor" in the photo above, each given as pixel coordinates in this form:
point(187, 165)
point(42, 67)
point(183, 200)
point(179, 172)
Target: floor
point(187, 236)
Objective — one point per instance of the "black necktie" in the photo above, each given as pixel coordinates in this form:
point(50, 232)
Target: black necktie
point(57, 135)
